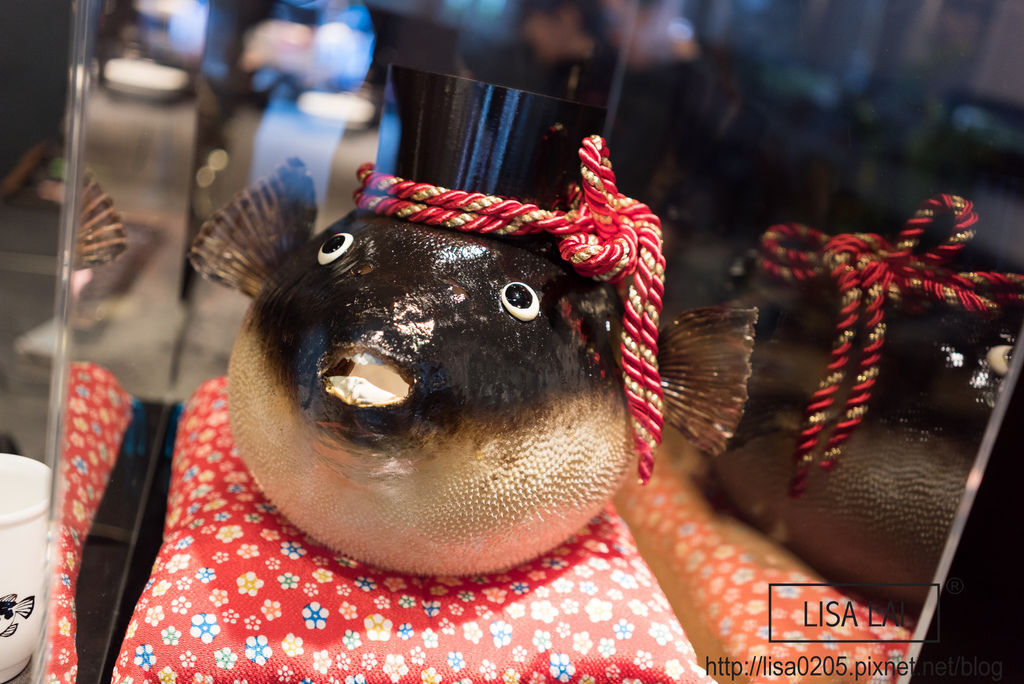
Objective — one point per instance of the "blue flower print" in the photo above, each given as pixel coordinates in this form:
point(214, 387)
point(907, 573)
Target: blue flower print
point(588, 588)
point(502, 633)
point(257, 649)
point(235, 489)
point(80, 465)
point(520, 588)
point(561, 667)
point(144, 657)
point(623, 629)
point(355, 679)
point(221, 517)
point(204, 627)
point(292, 550)
point(184, 543)
point(366, 583)
point(190, 473)
point(554, 563)
point(456, 661)
point(206, 575)
point(404, 631)
point(315, 616)
point(624, 579)
point(431, 608)
point(66, 581)
point(788, 591)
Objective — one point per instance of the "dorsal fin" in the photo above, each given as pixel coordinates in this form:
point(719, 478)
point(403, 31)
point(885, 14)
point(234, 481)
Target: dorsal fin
point(101, 235)
point(704, 359)
point(242, 244)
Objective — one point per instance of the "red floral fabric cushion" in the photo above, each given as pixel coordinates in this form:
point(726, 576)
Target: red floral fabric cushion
point(239, 595)
point(98, 413)
point(729, 588)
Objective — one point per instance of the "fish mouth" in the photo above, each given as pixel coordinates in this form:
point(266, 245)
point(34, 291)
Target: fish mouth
point(362, 379)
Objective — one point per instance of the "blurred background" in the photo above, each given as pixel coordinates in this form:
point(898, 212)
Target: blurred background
point(724, 116)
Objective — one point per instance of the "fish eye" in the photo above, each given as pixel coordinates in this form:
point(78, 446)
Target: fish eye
point(334, 247)
point(521, 301)
point(998, 358)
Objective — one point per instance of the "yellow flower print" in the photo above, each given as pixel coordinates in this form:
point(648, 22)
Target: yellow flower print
point(323, 575)
point(249, 584)
point(229, 533)
point(65, 626)
point(378, 628)
point(167, 676)
point(292, 646)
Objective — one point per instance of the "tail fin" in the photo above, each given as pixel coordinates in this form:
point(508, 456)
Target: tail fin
point(25, 607)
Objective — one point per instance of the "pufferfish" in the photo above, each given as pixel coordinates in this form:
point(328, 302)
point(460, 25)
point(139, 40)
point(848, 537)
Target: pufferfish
point(435, 402)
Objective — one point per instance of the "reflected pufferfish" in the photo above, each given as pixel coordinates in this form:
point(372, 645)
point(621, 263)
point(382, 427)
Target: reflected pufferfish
point(435, 402)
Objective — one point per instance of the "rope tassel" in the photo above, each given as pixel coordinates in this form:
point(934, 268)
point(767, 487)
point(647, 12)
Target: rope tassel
point(604, 235)
point(869, 272)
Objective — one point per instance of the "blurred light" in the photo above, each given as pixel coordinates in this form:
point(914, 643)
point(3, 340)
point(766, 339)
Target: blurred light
point(345, 107)
point(491, 7)
point(205, 176)
point(186, 28)
point(343, 49)
point(217, 159)
point(954, 359)
point(680, 29)
point(142, 77)
point(965, 117)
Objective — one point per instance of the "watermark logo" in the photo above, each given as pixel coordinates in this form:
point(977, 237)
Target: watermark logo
point(834, 618)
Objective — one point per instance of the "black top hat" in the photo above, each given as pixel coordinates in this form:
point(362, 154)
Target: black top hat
point(466, 135)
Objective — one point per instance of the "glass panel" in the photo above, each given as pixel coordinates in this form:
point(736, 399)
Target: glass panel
point(790, 150)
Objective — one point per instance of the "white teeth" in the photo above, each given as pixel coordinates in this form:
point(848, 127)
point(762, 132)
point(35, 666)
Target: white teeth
point(359, 391)
point(364, 359)
point(370, 382)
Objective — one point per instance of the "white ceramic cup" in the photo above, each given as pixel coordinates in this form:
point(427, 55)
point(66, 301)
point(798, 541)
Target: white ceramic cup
point(24, 513)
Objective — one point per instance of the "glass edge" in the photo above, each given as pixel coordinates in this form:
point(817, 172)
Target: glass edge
point(956, 530)
point(81, 36)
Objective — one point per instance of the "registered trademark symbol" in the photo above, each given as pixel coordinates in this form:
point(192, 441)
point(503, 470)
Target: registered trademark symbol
point(954, 585)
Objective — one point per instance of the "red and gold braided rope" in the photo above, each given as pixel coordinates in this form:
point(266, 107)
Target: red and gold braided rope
point(868, 271)
point(604, 235)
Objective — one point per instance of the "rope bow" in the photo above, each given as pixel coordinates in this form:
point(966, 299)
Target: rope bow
point(604, 235)
point(869, 272)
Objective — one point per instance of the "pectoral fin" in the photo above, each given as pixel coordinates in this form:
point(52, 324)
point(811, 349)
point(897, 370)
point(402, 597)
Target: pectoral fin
point(101, 236)
point(704, 359)
point(11, 629)
point(242, 244)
